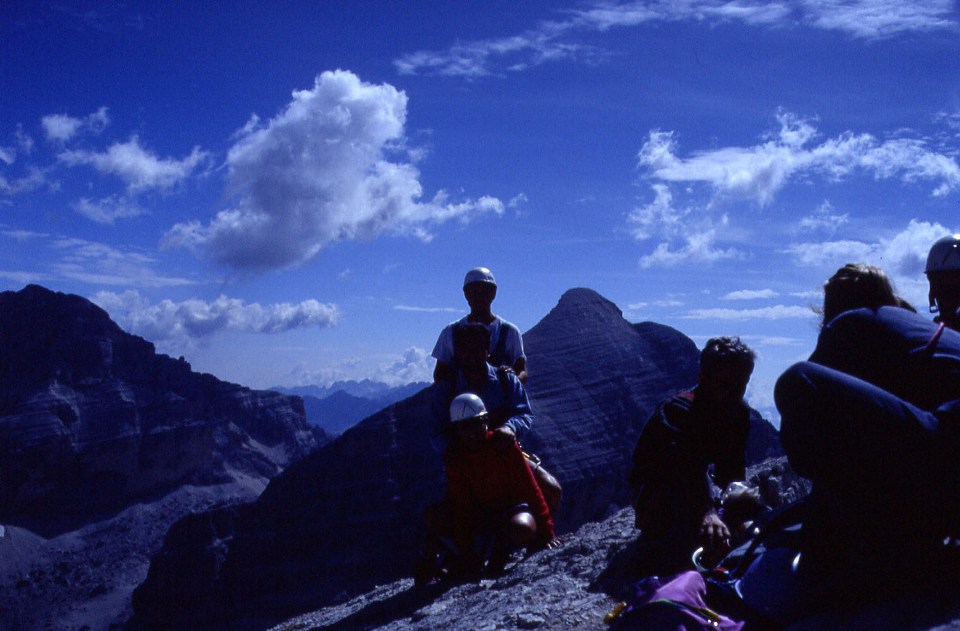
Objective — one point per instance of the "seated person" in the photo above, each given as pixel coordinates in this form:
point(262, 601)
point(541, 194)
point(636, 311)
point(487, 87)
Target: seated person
point(675, 497)
point(872, 420)
point(506, 344)
point(493, 504)
point(509, 413)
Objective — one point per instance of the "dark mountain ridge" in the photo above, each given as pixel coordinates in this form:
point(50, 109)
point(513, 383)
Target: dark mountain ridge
point(93, 419)
point(348, 516)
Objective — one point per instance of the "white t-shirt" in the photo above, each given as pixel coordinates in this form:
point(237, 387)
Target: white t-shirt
point(512, 344)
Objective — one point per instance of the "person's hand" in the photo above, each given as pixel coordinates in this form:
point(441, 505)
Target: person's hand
point(554, 543)
point(714, 534)
point(504, 437)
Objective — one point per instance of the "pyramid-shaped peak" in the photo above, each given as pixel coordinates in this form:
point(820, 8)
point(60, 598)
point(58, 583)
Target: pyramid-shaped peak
point(581, 298)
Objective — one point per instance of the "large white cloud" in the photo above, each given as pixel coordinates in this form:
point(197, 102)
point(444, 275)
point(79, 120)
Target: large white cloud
point(139, 168)
point(759, 172)
point(318, 172)
point(197, 319)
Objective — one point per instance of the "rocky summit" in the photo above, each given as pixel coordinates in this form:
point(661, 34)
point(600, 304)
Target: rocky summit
point(348, 516)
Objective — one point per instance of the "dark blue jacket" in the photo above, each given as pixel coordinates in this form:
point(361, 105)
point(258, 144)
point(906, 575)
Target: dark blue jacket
point(888, 347)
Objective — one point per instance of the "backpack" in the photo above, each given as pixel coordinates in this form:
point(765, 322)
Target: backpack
point(757, 582)
point(676, 603)
point(754, 586)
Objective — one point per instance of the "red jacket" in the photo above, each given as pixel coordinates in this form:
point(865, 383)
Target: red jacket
point(491, 480)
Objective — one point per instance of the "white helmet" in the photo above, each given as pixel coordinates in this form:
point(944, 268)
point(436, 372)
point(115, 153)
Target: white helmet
point(466, 407)
point(944, 255)
point(479, 275)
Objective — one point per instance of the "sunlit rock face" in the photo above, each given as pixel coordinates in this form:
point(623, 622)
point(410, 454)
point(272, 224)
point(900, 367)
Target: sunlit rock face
point(92, 418)
point(349, 516)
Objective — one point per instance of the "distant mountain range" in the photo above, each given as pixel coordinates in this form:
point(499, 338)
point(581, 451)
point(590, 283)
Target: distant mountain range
point(339, 406)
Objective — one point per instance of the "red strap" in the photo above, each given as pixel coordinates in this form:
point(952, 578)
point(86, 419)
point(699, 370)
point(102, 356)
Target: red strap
point(932, 344)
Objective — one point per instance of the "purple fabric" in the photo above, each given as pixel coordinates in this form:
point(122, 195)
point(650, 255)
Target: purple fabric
point(671, 604)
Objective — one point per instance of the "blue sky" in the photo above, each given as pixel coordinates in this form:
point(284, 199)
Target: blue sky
point(290, 193)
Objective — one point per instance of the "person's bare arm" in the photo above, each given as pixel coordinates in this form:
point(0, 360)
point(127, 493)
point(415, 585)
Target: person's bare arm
point(520, 369)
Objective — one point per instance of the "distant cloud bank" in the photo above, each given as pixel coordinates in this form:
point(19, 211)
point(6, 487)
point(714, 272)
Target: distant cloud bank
point(196, 319)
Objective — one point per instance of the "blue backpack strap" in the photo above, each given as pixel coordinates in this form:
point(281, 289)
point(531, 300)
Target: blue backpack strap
point(498, 355)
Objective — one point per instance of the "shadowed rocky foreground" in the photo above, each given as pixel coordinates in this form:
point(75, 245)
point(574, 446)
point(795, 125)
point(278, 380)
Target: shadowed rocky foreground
point(575, 586)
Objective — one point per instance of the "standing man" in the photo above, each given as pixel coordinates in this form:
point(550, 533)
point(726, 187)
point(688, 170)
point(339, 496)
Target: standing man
point(506, 344)
point(943, 272)
point(674, 495)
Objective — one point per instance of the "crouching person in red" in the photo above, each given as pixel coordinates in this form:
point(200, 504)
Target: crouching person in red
point(493, 506)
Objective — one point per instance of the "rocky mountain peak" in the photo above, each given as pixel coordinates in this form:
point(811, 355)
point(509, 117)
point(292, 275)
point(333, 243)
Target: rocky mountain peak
point(92, 418)
point(581, 298)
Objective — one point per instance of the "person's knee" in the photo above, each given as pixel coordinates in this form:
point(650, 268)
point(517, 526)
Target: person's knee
point(521, 529)
point(794, 394)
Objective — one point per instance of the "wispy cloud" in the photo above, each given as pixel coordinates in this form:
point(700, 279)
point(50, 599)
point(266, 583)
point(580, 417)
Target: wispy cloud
point(774, 340)
point(559, 39)
point(63, 127)
point(140, 169)
point(319, 172)
point(107, 210)
point(34, 179)
point(696, 248)
point(872, 19)
point(777, 312)
point(823, 219)
point(87, 261)
point(667, 302)
point(427, 309)
point(750, 294)
point(759, 172)
point(688, 235)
